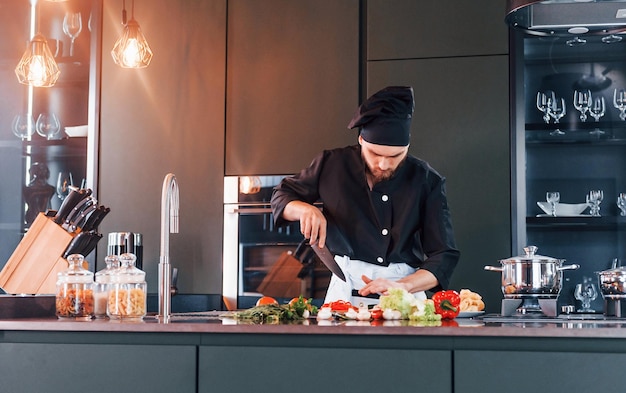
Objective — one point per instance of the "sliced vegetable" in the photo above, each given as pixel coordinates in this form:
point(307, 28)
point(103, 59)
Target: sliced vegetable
point(447, 303)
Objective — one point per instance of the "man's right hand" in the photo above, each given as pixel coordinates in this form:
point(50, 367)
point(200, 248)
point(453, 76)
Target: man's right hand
point(312, 221)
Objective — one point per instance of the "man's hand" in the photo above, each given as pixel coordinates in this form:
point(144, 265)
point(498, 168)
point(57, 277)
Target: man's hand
point(421, 280)
point(312, 221)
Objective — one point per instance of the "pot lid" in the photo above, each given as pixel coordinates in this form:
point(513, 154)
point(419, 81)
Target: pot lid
point(531, 256)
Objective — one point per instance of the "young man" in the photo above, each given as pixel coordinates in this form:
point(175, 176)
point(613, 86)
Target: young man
point(385, 213)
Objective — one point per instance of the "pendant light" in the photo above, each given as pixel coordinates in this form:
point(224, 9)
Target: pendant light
point(131, 50)
point(37, 67)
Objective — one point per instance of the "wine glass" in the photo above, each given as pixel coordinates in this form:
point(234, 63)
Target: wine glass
point(543, 103)
point(23, 126)
point(553, 197)
point(64, 182)
point(594, 198)
point(72, 26)
point(621, 203)
point(556, 109)
point(48, 125)
point(582, 102)
point(597, 110)
point(619, 102)
point(585, 292)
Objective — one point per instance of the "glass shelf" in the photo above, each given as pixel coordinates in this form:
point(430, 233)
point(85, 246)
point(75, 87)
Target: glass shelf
point(577, 223)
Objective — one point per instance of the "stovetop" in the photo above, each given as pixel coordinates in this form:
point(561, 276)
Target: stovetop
point(563, 318)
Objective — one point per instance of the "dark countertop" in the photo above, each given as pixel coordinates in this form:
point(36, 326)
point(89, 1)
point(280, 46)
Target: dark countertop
point(211, 323)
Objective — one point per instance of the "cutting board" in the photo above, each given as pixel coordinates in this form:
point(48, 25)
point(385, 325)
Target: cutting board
point(33, 266)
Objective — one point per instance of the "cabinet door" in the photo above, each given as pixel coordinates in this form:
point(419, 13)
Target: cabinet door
point(97, 368)
point(460, 127)
point(275, 369)
point(523, 372)
point(292, 82)
point(408, 29)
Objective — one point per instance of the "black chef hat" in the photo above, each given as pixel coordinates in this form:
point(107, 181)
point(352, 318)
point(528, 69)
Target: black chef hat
point(385, 117)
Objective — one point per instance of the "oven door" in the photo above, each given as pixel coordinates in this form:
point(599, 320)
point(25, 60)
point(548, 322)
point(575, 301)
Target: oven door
point(253, 246)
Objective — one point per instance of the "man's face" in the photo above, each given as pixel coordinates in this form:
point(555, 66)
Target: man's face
point(382, 160)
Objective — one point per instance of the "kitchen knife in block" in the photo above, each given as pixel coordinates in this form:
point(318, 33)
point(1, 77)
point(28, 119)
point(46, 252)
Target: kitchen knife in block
point(30, 268)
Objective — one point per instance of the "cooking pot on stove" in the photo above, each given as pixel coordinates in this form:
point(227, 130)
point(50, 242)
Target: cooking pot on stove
point(531, 275)
point(613, 281)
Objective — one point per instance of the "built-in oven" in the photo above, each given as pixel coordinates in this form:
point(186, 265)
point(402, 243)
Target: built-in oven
point(255, 251)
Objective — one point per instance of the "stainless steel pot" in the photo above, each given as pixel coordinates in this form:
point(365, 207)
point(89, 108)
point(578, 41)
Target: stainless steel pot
point(531, 275)
point(613, 282)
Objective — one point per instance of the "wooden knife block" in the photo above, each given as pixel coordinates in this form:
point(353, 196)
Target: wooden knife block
point(33, 266)
point(282, 279)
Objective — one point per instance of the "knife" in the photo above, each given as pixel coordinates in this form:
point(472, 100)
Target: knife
point(327, 259)
point(99, 218)
point(79, 222)
point(71, 200)
point(93, 217)
point(74, 215)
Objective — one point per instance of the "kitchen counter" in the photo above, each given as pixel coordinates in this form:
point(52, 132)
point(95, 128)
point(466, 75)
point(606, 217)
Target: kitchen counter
point(214, 322)
point(208, 354)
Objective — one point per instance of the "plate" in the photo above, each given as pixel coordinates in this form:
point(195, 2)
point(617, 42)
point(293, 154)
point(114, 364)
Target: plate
point(469, 314)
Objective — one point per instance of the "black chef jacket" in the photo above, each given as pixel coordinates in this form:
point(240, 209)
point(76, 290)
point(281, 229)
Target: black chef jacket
point(404, 219)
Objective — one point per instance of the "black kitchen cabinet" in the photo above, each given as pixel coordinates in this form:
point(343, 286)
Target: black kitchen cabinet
point(572, 157)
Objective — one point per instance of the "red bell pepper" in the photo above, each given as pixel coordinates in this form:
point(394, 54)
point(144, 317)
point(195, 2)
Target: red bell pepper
point(447, 303)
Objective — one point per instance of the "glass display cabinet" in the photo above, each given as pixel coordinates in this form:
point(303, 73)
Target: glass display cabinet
point(569, 136)
point(38, 155)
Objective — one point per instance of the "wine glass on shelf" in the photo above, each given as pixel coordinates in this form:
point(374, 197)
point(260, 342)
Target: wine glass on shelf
point(64, 182)
point(553, 197)
point(597, 110)
point(621, 203)
point(593, 199)
point(585, 292)
point(48, 125)
point(582, 102)
point(543, 103)
point(72, 26)
point(23, 126)
point(619, 102)
point(556, 109)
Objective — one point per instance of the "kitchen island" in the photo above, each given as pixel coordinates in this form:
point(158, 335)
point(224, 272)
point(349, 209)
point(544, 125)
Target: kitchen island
point(204, 353)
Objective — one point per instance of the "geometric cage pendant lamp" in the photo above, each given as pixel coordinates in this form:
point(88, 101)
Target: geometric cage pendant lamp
point(131, 50)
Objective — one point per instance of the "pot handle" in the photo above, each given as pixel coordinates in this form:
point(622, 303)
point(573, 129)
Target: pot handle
point(568, 267)
point(493, 268)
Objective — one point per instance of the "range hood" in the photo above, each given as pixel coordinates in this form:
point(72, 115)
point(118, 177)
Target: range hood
point(567, 17)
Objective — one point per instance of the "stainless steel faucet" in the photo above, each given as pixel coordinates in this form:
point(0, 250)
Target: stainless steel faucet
point(169, 224)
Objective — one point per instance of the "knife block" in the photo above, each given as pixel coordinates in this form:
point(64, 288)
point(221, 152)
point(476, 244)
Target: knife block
point(33, 266)
point(282, 279)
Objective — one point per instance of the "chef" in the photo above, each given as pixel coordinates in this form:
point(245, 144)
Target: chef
point(385, 214)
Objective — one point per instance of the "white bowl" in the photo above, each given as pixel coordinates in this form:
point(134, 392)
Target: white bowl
point(564, 209)
point(76, 131)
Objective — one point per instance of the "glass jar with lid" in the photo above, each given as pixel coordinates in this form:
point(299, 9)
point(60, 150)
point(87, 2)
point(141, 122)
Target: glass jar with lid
point(104, 278)
point(74, 297)
point(128, 291)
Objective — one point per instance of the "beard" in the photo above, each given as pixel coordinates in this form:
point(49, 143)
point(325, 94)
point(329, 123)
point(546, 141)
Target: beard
point(377, 175)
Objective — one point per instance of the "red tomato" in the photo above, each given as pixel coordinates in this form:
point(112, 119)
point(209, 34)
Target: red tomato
point(266, 300)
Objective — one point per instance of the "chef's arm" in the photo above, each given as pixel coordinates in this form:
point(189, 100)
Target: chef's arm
point(312, 221)
point(421, 280)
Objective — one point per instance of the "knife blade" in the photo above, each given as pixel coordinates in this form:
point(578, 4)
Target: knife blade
point(327, 259)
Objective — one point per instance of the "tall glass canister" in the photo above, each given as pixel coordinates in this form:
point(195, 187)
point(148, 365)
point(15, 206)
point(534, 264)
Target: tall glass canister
point(74, 297)
point(128, 291)
point(104, 279)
